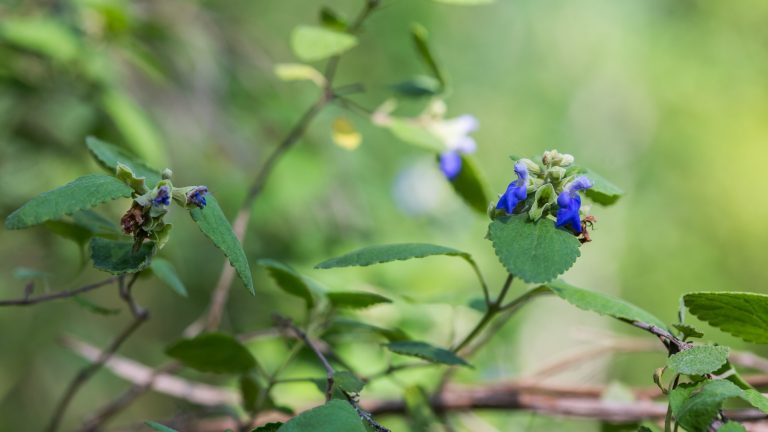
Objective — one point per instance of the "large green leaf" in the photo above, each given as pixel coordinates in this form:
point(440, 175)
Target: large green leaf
point(166, 272)
point(602, 303)
point(392, 252)
point(698, 360)
point(288, 280)
point(83, 193)
point(212, 222)
point(744, 315)
point(756, 399)
point(213, 352)
point(347, 326)
point(118, 256)
point(419, 35)
point(334, 416)
point(694, 408)
point(108, 156)
point(470, 186)
point(311, 43)
point(602, 191)
point(427, 352)
point(533, 251)
point(355, 299)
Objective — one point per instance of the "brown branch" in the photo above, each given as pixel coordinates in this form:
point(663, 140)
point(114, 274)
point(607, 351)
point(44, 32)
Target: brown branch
point(139, 317)
point(27, 301)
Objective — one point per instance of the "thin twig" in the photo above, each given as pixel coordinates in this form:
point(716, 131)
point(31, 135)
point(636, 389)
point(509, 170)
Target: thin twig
point(139, 317)
point(27, 301)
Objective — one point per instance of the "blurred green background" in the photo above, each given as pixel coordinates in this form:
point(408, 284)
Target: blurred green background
point(669, 99)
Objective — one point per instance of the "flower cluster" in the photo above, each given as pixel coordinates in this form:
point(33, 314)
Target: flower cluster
point(549, 188)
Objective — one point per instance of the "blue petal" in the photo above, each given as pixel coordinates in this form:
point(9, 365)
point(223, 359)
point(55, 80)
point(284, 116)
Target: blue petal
point(450, 164)
point(568, 211)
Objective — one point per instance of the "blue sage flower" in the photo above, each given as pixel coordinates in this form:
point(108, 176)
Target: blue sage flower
point(163, 197)
point(517, 191)
point(455, 134)
point(196, 196)
point(569, 203)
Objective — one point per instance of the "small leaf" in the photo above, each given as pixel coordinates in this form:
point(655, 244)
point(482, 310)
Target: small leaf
point(332, 20)
point(533, 251)
point(602, 303)
point(311, 43)
point(345, 135)
point(418, 86)
point(391, 252)
point(744, 315)
point(288, 280)
point(688, 331)
point(355, 299)
point(756, 399)
point(83, 193)
point(699, 360)
point(269, 427)
point(602, 191)
point(166, 272)
point(118, 257)
point(108, 156)
point(419, 35)
point(158, 427)
point(42, 35)
point(299, 72)
point(695, 408)
point(427, 352)
point(213, 352)
point(249, 392)
point(470, 185)
point(345, 326)
point(215, 226)
point(348, 382)
point(334, 416)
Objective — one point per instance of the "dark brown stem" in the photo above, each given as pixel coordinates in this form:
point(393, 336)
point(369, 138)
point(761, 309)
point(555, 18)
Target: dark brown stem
point(57, 295)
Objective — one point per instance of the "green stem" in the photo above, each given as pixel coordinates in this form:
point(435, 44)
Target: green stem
point(492, 308)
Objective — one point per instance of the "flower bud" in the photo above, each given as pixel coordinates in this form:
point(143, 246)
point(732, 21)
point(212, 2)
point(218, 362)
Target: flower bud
point(167, 174)
point(532, 166)
point(567, 160)
point(556, 173)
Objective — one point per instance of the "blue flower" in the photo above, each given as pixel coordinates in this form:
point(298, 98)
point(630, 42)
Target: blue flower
point(454, 133)
point(197, 196)
point(517, 191)
point(569, 203)
point(163, 197)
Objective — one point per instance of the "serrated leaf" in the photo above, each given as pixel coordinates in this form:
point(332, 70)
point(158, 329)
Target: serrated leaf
point(118, 256)
point(391, 252)
point(355, 299)
point(427, 352)
point(108, 156)
point(695, 408)
point(249, 392)
point(419, 36)
point(688, 331)
point(158, 427)
point(348, 382)
point(288, 280)
point(212, 222)
point(602, 191)
point(602, 303)
point(418, 86)
point(134, 125)
point(299, 72)
point(269, 427)
point(213, 352)
point(533, 251)
point(166, 272)
point(311, 43)
point(699, 360)
point(470, 185)
point(83, 193)
point(42, 35)
point(756, 399)
point(334, 416)
point(343, 325)
point(744, 315)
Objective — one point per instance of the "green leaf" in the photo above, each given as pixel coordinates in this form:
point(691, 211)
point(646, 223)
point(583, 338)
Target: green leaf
point(249, 392)
point(345, 326)
point(118, 257)
point(70, 231)
point(687, 331)
point(269, 427)
point(602, 303)
point(93, 307)
point(108, 156)
point(299, 72)
point(166, 272)
point(42, 35)
point(288, 280)
point(334, 416)
point(415, 134)
point(418, 86)
point(427, 352)
point(602, 191)
point(213, 352)
point(134, 125)
point(311, 43)
point(355, 299)
point(533, 251)
point(470, 185)
point(744, 315)
point(756, 399)
point(387, 253)
point(696, 411)
point(212, 222)
point(419, 35)
point(332, 20)
point(699, 360)
point(158, 427)
point(83, 193)
point(731, 426)
point(348, 382)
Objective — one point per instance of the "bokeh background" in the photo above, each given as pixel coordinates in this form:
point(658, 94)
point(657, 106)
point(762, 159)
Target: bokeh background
point(667, 98)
